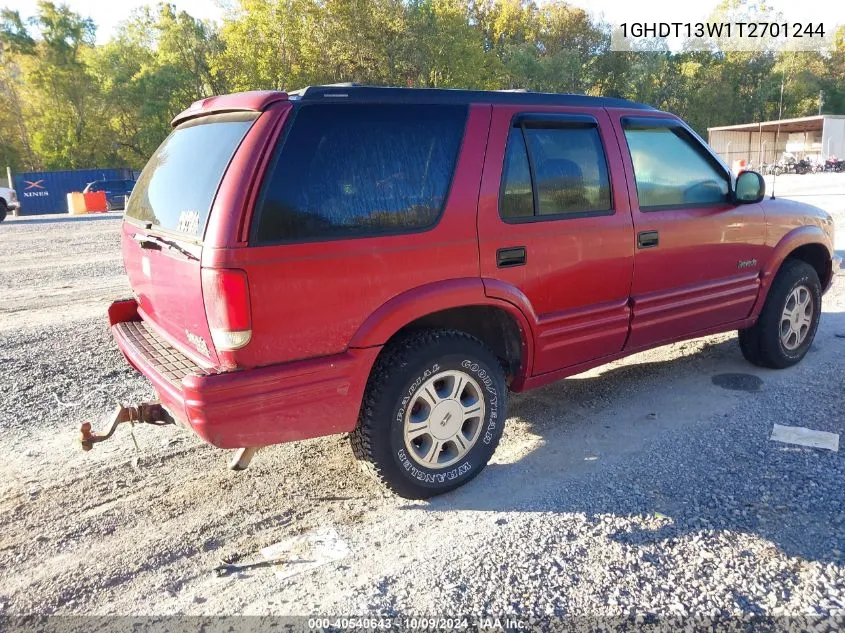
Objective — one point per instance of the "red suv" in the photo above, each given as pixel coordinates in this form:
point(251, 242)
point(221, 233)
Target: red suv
point(391, 262)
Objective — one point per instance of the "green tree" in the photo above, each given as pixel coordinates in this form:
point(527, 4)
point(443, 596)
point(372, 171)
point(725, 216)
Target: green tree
point(270, 45)
point(160, 62)
point(16, 150)
point(71, 103)
point(56, 112)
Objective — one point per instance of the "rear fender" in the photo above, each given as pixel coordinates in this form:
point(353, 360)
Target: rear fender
point(422, 301)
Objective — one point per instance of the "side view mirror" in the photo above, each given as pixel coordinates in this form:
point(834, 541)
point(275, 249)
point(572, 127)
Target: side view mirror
point(750, 187)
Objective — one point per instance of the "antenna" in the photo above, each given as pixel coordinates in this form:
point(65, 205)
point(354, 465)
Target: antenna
point(780, 118)
point(776, 168)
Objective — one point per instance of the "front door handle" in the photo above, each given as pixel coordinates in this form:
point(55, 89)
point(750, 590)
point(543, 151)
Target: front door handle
point(647, 239)
point(511, 256)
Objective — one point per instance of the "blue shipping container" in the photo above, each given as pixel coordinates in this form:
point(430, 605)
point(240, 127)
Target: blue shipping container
point(46, 191)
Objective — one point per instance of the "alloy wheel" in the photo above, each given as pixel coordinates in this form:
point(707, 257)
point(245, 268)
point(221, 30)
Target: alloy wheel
point(444, 419)
point(797, 318)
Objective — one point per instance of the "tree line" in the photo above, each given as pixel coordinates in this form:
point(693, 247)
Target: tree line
point(70, 103)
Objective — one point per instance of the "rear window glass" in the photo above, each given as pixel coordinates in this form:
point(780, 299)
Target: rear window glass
point(178, 184)
point(347, 170)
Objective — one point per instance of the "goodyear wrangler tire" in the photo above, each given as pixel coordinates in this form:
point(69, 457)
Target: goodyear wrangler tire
point(433, 413)
point(788, 322)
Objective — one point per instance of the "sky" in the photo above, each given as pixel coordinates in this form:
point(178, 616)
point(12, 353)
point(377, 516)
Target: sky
point(109, 13)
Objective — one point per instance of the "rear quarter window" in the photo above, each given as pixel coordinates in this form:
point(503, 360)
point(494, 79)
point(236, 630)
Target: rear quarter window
point(347, 170)
point(178, 184)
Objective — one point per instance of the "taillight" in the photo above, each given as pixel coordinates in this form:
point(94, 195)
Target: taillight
point(13, 195)
point(226, 296)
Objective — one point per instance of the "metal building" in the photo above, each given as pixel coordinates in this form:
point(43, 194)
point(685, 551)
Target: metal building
point(814, 137)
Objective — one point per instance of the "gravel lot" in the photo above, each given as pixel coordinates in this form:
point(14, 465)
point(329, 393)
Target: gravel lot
point(639, 488)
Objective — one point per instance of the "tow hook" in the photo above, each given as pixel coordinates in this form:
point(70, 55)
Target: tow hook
point(144, 413)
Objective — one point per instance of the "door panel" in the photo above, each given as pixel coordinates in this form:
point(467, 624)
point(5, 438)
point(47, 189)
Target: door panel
point(704, 270)
point(577, 267)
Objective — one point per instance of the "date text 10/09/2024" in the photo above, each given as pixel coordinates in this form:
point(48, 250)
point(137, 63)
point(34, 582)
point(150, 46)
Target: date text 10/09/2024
point(784, 30)
point(417, 623)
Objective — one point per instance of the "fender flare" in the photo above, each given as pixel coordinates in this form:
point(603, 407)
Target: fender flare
point(800, 236)
point(797, 237)
point(428, 299)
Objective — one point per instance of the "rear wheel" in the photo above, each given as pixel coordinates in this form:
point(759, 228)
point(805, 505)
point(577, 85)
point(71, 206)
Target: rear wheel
point(4, 210)
point(433, 413)
point(788, 322)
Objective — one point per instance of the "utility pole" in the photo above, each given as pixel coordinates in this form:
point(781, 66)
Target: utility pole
point(11, 186)
point(821, 100)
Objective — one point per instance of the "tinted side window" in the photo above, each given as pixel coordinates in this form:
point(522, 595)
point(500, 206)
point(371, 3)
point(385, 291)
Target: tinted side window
point(672, 170)
point(563, 172)
point(517, 195)
point(348, 170)
point(570, 169)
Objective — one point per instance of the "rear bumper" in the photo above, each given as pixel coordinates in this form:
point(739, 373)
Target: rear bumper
point(250, 407)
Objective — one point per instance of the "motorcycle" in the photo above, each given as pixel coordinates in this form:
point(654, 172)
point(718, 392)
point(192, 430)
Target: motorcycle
point(834, 164)
point(803, 166)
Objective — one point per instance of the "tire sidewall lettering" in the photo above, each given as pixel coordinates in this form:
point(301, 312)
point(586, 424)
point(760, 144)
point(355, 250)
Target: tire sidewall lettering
point(492, 422)
point(493, 398)
point(425, 375)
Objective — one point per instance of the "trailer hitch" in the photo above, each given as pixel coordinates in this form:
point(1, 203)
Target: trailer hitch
point(144, 413)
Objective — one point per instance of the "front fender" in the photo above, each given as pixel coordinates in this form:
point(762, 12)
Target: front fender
point(797, 237)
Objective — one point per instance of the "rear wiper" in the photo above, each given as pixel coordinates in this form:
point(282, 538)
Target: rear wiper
point(155, 242)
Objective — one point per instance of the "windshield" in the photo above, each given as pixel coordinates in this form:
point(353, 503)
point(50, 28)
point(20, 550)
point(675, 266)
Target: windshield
point(178, 184)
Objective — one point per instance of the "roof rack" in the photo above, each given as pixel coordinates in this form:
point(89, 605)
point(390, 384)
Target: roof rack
point(377, 94)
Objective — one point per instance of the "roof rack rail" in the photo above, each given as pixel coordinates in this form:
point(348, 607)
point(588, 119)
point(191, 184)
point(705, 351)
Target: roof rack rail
point(307, 90)
point(434, 96)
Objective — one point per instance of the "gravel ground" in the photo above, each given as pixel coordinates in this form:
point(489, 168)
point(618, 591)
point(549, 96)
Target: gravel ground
point(640, 488)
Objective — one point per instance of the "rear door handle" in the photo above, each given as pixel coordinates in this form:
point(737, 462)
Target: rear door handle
point(511, 256)
point(647, 239)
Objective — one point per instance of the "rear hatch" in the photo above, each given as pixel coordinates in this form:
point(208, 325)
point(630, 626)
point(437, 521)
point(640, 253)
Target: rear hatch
point(166, 218)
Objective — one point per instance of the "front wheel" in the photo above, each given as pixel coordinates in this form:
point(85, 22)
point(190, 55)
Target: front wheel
point(433, 413)
point(788, 322)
